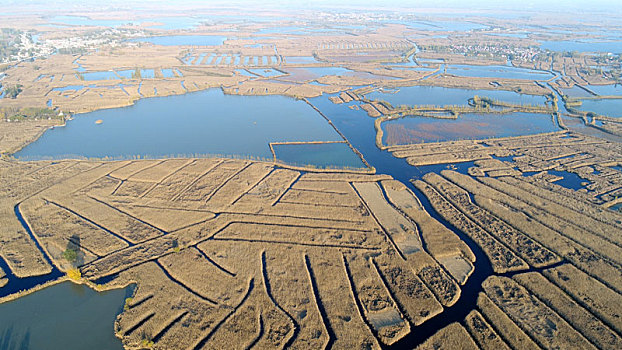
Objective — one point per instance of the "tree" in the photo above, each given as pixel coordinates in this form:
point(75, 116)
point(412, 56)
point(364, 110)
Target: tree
point(70, 255)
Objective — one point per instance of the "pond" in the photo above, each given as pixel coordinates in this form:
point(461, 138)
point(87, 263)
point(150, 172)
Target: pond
point(312, 73)
point(568, 180)
point(608, 107)
point(466, 126)
point(63, 316)
point(498, 72)
point(575, 91)
point(440, 96)
point(183, 40)
point(167, 73)
point(606, 90)
point(300, 59)
point(320, 155)
point(266, 73)
point(104, 75)
point(197, 124)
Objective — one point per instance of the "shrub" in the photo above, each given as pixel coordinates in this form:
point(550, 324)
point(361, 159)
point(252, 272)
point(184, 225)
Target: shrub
point(74, 274)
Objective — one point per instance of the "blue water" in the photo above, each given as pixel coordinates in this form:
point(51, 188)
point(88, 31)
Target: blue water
point(498, 72)
point(188, 59)
point(86, 21)
point(608, 107)
point(184, 40)
point(445, 26)
point(306, 30)
point(167, 73)
point(196, 124)
point(127, 74)
point(512, 35)
point(326, 155)
point(147, 73)
point(64, 316)
point(91, 76)
point(561, 46)
point(166, 23)
point(69, 87)
point(467, 126)
point(576, 91)
point(312, 73)
point(245, 73)
point(570, 180)
point(265, 72)
point(607, 90)
point(200, 58)
point(440, 96)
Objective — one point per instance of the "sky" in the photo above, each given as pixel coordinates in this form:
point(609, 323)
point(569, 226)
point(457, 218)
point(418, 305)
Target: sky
point(605, 6)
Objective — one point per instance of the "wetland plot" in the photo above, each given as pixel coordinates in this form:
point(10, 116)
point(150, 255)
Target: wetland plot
point(467, 126)
point(202, 123)
point(237, 238)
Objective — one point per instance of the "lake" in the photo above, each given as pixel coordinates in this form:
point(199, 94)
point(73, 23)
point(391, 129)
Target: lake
point(166, 23)
point(63, 316)
point(197, 124)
